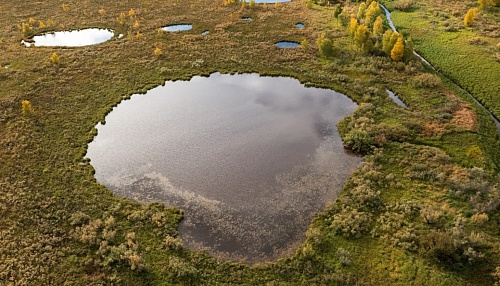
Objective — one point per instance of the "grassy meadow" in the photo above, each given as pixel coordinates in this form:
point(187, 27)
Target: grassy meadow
point(422, 209)
point(468, 55)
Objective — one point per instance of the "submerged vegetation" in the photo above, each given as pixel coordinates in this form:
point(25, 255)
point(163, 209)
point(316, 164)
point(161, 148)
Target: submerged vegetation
point(422, 209)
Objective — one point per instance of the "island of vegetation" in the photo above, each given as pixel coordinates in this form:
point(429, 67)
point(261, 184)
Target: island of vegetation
point(422, 208)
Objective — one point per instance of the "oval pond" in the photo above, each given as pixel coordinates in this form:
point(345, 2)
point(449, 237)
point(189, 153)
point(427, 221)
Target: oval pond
point(177, 28)
point(77, 38)
point(249, 159)
point(287, 45)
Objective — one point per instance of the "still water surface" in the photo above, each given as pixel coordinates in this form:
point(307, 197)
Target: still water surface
point(77, 38)
point(249, 159)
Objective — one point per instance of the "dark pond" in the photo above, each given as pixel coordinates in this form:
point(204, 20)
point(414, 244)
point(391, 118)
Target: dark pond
point(287, 45)
point(396, 99)
point(246, 19)
point(249, 159)
point(300, 25)
point(177, 28)
point(270, 1)
point(75, 38)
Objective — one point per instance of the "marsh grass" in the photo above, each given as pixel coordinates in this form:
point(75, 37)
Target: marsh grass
point(47, 188)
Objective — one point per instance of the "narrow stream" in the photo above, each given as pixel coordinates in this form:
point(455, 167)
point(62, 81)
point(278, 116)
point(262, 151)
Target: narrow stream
point(391, 24)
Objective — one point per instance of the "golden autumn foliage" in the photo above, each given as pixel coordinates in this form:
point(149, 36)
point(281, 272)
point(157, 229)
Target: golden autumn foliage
point(398, 50)
point(26, 29)
point(131, 13)
point(26, 108)
point(55, 59)
point(121, 19)
point(31, 21)
point(157, 52)
point(353, 25)
point(136, 24)
point(65, 7)
point(102, 12)
point(41, 25)
point(378, 26)
point(470, 17)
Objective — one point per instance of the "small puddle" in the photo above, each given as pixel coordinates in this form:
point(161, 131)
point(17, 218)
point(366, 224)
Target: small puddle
point(206, 32)
point(300, 25)
point(177, 28)
point(249, 159)
point(396, 99)
point(77, 38)
point(287, 45)
point(246, 19)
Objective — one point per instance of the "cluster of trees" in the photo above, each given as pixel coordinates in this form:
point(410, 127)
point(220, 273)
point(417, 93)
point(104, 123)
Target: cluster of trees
point(367, 30)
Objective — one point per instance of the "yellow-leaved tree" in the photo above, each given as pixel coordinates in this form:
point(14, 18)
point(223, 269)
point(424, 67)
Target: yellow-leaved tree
point(398, 50)
point(470, 17)
point(55, 59)
point(26, 108)
point(378, 26)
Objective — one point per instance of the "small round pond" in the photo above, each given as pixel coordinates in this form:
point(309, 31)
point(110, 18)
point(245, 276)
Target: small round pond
point(287, 45)
point(269, 1)
point(177, 28)
point(77, 38)
point(300, 25)
point(249, 159)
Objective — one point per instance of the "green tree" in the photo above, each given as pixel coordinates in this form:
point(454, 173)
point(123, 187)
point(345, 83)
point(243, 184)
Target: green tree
point(325, 47)
point(398, 50)
point(470, 17)
point(362, 38)
point(409, 48)
point(337, 11)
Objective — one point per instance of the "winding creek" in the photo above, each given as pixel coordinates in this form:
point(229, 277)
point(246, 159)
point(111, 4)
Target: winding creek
point(391, 25)
point(249, 159)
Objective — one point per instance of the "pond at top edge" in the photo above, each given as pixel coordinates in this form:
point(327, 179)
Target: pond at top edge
point(177, 28)
point(269, 1)
point(76, 38)
point(249, 159)
point(287, 45)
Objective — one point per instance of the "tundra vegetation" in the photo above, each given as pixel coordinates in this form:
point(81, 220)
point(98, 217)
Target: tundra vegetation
point(422, 209)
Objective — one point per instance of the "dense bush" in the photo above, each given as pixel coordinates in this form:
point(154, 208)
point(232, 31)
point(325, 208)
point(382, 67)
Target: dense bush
point(404, 5)
point(426, 80)
point(350, 222)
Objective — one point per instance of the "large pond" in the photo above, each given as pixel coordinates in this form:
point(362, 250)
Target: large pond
point(249, 159)
point(75, 38)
